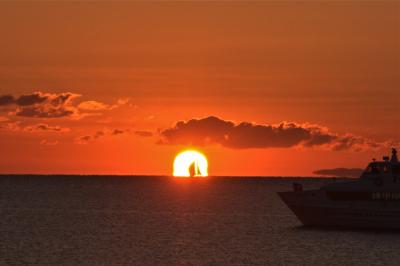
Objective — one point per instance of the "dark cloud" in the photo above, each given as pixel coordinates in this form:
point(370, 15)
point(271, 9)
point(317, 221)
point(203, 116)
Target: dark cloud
point(84, 139)
point(117, 132)
point(213, 130)
point(44, 112)
point(320, 139)
point(6, 100)
point(340, 172)
point(47, 105)
point(144, 134)
point(244, 135)
point(98, 134)
point(62, 98)
point(345, 142)
point(36, 98)
point(31, 99)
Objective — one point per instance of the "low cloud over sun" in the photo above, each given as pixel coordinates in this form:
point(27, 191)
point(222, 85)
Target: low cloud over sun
point(245, 135)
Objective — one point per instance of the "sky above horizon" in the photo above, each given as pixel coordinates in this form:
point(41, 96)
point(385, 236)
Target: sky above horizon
point(261, 88)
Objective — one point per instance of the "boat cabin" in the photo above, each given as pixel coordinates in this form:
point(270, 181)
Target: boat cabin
point(377, 168)
point(378, 176)
point(383, 168)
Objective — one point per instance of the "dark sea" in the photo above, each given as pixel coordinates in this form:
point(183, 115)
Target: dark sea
point(131, 220)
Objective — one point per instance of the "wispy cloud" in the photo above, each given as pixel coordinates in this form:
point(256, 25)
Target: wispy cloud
point(46, 128)
point(46, 142)
point(85, 139)
point(143, 133)
point(93, 106)
point(99, 106)
point(36, 128)
point(55, 105)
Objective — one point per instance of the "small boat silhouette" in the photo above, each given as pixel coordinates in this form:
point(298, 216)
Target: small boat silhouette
point(193, 169)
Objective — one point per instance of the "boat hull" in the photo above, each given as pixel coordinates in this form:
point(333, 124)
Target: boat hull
point(314, 208)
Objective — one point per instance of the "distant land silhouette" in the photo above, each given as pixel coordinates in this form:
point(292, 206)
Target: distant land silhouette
point(340, 172)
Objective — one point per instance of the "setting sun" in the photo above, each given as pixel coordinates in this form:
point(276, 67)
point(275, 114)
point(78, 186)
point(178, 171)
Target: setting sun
point(190, 163)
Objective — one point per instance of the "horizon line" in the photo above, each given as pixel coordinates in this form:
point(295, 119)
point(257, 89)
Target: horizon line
point(150, 175)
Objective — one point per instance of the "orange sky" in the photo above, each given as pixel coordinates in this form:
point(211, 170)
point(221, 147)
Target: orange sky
point(135, 69)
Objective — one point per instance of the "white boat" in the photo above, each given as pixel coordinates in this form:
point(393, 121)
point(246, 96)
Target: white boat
point(372, 201)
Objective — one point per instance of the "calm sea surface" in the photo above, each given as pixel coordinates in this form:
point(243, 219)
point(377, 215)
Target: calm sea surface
point(114, 220)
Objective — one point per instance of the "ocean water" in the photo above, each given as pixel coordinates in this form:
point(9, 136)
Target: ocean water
point(122, 220)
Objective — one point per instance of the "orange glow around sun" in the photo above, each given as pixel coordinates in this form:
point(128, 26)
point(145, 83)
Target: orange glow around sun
point(190, 163)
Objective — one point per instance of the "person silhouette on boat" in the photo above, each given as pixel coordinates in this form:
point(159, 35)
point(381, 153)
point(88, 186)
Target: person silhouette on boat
point(394, 158)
